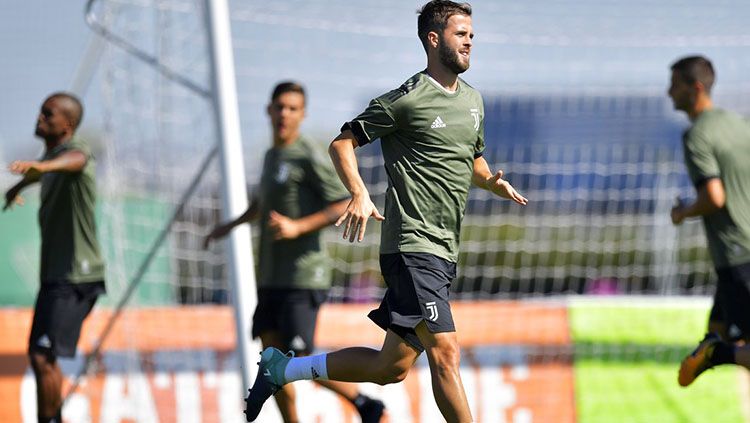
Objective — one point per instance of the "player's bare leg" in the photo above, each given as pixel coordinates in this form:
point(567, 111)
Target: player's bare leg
point(48, 384)
point(389, 365)
point(369, 409)
point(345, 389)
point(286, 400)
point(443, 354)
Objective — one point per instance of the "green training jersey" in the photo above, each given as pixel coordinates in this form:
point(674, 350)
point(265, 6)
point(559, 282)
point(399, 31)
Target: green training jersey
point(297, 180)
point(70, 247)
point(718, 146)
point(430, 138)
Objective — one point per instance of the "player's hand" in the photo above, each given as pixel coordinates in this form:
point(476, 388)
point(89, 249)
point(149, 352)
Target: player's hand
point(677, 214)
point(217, 233)
point(503, 188)
point(282, 226)
point(360, 209)
point(12, 197)
point(29, 169)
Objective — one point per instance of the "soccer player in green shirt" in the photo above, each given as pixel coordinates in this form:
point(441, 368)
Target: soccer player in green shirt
point(72, 270)
point(432, 136)
point(299, 195)
point(717, 156)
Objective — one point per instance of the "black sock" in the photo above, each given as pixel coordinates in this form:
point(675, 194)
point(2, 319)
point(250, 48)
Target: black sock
point(723, 353)
point(57, 418)
point(360, 400)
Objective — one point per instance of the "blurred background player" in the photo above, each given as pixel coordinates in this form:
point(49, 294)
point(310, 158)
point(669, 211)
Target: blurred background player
point(72, 270)
point(717, 156)
point(299, 195)
point(432, 135)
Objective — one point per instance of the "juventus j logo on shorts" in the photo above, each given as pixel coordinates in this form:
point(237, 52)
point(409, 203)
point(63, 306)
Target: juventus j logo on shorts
point(432, 307)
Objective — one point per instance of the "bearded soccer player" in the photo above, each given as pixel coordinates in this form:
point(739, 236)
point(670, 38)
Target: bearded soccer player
point(72, 270)
point(717, 153)
point(432, 136)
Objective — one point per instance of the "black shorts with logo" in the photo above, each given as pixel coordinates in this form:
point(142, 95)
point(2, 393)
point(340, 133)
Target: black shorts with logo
point(732, 297)
point(292, 313)
point(61, 307)
point(418, 289)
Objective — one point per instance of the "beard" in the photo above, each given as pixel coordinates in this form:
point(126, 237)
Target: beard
point(40, 131)
point(683, 103)
point(450, 59)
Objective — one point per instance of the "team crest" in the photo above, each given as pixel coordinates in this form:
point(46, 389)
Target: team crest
point(432, 307)
point(475, 115)
point(282, 174)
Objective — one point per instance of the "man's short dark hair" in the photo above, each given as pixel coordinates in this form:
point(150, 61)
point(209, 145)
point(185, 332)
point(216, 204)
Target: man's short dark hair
point(287, 87)
point(433, 17)
point(73, 110)
point(696, 68)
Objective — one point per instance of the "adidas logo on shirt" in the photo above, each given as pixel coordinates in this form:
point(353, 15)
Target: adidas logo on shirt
point(44, 341)
point(438, 123)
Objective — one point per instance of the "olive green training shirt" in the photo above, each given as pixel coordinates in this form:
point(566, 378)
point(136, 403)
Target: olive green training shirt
point(430, 138)
point(718, 146)
point(70, 248)
point(297, 180)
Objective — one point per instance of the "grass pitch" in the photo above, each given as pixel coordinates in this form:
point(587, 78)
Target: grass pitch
point(627, 359)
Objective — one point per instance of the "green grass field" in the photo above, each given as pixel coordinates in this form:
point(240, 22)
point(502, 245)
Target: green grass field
point(627, 360)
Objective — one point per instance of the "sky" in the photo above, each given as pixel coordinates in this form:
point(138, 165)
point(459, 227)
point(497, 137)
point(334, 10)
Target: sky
point(41, 43)
point(532, 47)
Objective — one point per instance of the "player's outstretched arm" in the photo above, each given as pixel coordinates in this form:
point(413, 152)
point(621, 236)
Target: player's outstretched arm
point(360, 207)
point(32, 171)
point(222, 230)
point(72, 161)
point(285, 227)
point(483, 178)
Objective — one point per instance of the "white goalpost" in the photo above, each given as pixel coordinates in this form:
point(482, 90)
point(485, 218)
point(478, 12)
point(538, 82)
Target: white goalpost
point(239, 254)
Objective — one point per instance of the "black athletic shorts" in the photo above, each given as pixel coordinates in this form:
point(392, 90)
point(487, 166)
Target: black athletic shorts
point(418, 289)
point(732, 297)
point(61, 307)
point(292, 313)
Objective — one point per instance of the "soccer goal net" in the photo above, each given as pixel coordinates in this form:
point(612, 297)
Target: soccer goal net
point(589, 277)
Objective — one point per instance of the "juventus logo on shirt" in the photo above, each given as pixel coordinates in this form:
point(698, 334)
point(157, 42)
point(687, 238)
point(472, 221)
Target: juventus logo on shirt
point(475, 115)
point(433, 310)
point(282, 174)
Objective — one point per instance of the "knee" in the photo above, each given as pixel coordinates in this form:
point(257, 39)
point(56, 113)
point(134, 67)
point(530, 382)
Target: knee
point(392, 373)
point(445, 358)
point(40, 361)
